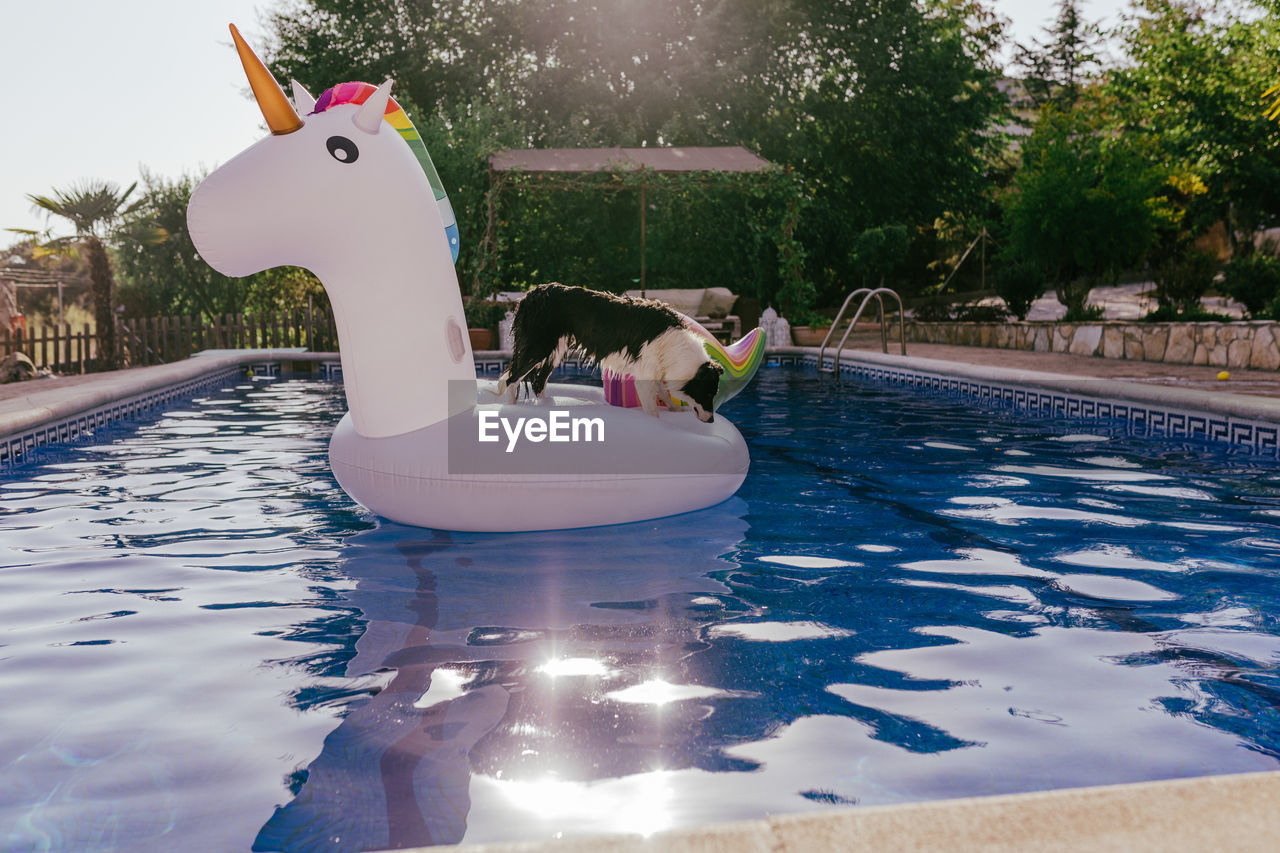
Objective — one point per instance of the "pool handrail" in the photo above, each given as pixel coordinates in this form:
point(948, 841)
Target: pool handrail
point(884, 337)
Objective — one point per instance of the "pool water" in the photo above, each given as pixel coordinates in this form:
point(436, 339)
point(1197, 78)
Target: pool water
point(204, 644)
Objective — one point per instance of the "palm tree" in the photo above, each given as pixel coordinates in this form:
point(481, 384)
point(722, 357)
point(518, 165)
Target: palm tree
point(94, 208)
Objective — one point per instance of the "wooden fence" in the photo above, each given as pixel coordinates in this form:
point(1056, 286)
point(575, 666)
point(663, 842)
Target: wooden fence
point(158, 340)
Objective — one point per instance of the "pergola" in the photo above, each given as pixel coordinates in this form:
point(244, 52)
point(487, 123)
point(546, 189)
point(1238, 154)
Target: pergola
point(547, 162)
point(11, 278)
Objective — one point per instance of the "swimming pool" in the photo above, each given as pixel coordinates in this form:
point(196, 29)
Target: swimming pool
point(205, 643)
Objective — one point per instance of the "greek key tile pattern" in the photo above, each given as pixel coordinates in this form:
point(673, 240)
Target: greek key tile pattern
point(572, 364)
point(1139, 418)
point(15, 448)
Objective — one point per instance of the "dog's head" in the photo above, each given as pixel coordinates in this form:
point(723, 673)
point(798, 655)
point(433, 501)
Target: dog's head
point(700, 391)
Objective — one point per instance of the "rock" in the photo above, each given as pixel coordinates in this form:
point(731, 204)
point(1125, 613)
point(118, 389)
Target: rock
point(1154, 342)
point(1086, 340)
point(1133, 349)
point(1181, 347)
point(1264, 354)
point(1238, 353)
point(1113, 342)
point(1041, 342)
point(15, 367)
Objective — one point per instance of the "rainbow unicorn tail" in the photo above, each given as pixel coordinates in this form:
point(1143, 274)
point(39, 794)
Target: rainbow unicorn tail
point(740, 361)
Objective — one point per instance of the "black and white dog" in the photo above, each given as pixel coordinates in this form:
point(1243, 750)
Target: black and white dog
point(642, 337)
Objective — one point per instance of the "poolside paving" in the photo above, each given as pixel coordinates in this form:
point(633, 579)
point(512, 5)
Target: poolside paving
point(1262, 383)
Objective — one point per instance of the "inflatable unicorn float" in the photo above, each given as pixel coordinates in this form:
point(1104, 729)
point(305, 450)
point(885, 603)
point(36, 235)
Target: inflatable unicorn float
point(344, 186)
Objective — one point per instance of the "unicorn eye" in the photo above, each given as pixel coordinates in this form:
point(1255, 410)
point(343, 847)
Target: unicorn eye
point(342, 149)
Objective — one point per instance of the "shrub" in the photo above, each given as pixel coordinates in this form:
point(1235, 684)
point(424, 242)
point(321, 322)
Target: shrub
point(1253, 281)
point(1019, 285)
point(808, 317)
point(483, 313)
point(1182, 279)
point(1083, 314)
point(934, 311)
point(982, 313)
point(1167, 313)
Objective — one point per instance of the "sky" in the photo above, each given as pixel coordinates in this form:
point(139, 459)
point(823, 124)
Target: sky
point(98, 89)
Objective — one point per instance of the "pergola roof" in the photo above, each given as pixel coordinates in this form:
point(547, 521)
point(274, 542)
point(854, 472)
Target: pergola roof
point(733, 158)
point(35, 277)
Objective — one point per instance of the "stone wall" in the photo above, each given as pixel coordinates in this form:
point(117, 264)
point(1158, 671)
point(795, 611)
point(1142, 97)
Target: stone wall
point(1253, 344)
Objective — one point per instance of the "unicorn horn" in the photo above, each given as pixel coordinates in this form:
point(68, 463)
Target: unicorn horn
point(275, 107)
point(369, 119)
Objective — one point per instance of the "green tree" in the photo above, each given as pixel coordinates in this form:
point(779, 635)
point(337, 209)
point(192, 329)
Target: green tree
point(1192, 82)
point(888, 114)
point(1254, 281)
point(877, 252)
point(169, 278)
point(609, 72)
point(95, 209)
point(1019, 284)
point(884, 108)
point(1057, 69)
point(1082, 204)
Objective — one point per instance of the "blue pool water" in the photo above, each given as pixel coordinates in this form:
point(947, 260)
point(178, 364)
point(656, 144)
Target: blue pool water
point(205, 645)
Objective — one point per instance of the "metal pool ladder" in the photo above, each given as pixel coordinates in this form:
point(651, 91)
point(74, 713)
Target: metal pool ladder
point(866, 293)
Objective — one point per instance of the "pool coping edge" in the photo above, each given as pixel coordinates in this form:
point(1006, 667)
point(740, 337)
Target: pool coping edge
point(64, 412)
point(1237, 812)
point(1224, 402)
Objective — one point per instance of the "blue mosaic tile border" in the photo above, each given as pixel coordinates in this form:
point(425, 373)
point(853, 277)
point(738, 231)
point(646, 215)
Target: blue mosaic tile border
point(1140, 418)
point(495, 366)
point(17, 448)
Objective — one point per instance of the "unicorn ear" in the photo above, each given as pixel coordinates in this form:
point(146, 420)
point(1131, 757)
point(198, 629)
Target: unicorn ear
point(302, 100)
point(369, 119)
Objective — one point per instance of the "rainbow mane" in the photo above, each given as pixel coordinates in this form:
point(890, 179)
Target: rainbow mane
point(358, 93)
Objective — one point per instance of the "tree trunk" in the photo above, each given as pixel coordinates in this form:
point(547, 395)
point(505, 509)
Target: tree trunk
point(1074, 294)
point(104, 314)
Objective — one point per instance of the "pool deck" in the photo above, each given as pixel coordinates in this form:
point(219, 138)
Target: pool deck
point(1262, 383)
point(29, 404)
point(1238, 813)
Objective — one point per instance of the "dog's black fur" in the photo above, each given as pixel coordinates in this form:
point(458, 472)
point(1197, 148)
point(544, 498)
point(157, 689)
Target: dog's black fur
point(600, 325)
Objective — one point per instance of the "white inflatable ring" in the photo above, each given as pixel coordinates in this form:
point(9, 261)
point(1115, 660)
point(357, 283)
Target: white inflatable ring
point(661, 466)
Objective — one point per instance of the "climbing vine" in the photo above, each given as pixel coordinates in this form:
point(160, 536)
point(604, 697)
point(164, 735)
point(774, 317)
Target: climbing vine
point(701, 229)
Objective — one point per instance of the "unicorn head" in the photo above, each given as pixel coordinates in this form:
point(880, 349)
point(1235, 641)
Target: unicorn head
point(348, 191)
